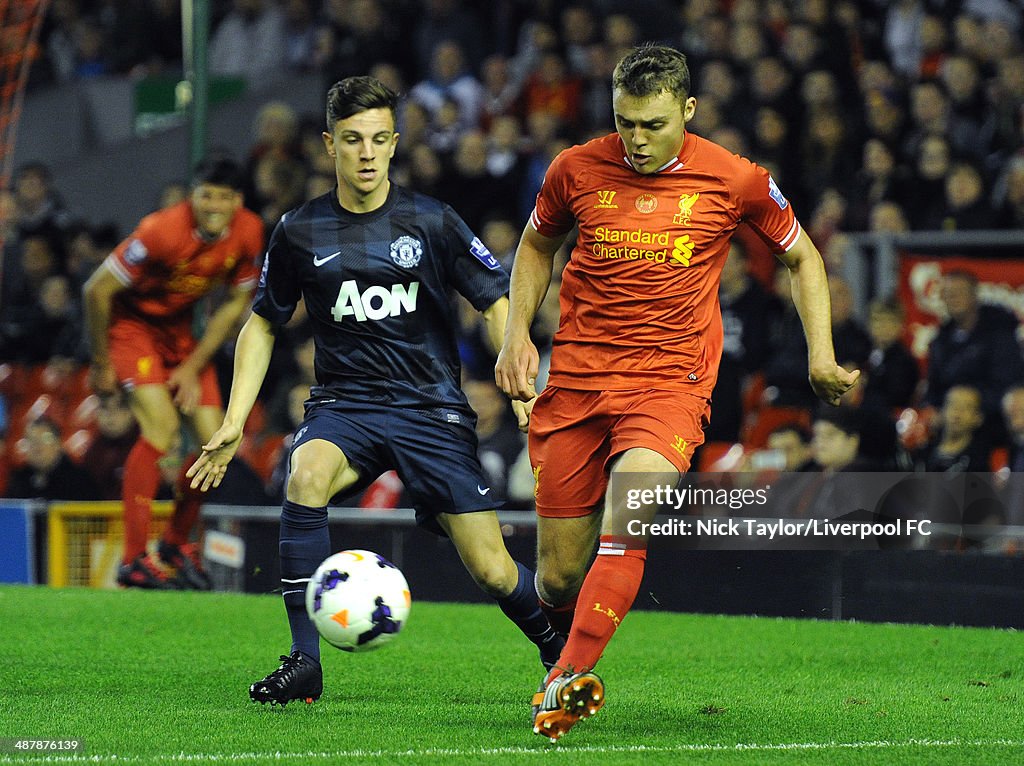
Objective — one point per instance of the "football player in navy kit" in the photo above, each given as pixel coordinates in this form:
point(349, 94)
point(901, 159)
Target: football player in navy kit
point(374, 264)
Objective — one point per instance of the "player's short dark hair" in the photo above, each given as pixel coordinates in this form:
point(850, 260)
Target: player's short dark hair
point(358, 94)
point(650, 69)
point(219, 171)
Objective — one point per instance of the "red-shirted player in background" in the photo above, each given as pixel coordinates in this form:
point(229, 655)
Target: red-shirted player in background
point(139, 312)
point(636, 353)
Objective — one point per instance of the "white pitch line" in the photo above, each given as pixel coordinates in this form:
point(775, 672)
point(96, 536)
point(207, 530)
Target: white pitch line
point(338, 755)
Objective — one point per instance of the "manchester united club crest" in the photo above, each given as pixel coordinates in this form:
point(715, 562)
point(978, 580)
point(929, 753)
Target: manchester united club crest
point(406, 251)
point(646, 203)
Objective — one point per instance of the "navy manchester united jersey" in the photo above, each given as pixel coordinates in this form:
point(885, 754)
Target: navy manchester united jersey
point(377, 289)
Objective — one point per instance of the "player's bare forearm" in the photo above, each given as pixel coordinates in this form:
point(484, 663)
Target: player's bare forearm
point(495, 319)
point(811, 296)
point(531, 276)
point(516, 370)
point(252, 358)
point(495, 316)
point(97, 298)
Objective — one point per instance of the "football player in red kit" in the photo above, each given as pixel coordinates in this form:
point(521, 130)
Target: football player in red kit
point(636, 354)
point(139, 310)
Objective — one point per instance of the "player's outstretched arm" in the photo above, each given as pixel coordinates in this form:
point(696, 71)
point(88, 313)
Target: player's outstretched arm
point(252, 357)
point(518, 362)
point(810, 294)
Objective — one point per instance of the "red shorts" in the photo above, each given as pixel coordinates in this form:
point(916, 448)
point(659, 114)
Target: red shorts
point(143, 353)
point(575, 434)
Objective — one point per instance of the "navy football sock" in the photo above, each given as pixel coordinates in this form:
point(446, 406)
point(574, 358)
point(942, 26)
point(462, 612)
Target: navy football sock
point(305, 542)
point(522, 607)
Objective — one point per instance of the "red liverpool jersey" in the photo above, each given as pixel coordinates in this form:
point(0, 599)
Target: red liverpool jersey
point(639, 296)
point(168, 267)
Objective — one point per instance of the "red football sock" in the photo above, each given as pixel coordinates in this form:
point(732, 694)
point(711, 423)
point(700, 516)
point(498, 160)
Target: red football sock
point(187, 502)
point(607, 594)
point(141, 480)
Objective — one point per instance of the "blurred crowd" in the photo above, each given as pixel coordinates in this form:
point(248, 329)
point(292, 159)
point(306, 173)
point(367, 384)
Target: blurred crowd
point(872, 116)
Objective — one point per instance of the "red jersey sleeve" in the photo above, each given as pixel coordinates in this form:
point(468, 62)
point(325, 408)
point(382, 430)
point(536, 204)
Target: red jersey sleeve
point(131, 258)
point(247, 272)
point(763, 207)
point(551, 215)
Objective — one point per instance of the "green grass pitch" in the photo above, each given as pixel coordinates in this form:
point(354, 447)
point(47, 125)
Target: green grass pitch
point(162, 678)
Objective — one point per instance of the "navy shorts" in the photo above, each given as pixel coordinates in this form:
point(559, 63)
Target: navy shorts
point(433, 451)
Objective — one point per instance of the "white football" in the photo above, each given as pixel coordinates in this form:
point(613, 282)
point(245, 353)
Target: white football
point(358, 600)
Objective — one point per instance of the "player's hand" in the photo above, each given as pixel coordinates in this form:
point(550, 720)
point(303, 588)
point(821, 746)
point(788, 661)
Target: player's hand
point(516, 370)
point(523, 410)
point(185, 388)
point(830, 383)
point(103, 379)
point(211, 465)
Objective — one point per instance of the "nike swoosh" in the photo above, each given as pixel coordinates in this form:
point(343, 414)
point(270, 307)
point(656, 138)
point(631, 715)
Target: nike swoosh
point(317, 261)
point(482, 491)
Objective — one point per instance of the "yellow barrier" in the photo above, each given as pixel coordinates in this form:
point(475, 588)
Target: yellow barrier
point(87, 539)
